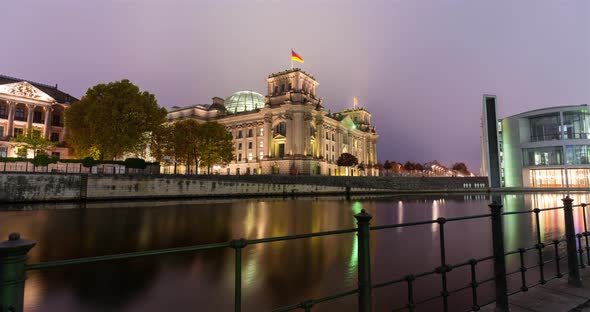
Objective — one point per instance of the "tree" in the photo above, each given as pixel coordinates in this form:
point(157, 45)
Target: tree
point(409, 166)
point(181, 142)
point(112, 120)
point(347, 160)
point(169, 143)
point(161, 143)
point(216, 144)
point(418, 167)
point(361, 166)
point(32, 141)
point(387, 166)
point(189, 142)
point(461, 168)
point(43, 160)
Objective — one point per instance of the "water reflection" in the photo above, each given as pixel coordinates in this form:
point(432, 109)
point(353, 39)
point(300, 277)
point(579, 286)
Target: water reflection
point(274, 274)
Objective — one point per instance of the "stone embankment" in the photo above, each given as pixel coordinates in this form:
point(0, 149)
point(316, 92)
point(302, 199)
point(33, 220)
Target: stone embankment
point(44, 187)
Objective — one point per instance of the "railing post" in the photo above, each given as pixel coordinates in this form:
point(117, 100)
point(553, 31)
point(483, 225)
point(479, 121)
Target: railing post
point(364, 261)
point(13, 257)
point(499, 258)
point(570, 237)
point(238, 245)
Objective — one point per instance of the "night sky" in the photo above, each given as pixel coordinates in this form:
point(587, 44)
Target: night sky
point(419, 66)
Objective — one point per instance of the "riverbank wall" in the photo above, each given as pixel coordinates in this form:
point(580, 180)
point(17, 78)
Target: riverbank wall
point(44, 187)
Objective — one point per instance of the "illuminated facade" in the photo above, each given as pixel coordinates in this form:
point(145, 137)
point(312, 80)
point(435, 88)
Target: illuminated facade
point(547, 147)
point(29, 106)
point(288, 131)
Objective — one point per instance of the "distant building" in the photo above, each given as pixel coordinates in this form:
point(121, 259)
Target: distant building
point(434, 168)
point(31, 106)
point(547, 147)
point(288, 131)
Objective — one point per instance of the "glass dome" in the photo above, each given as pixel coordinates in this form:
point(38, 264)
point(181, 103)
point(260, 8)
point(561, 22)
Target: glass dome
point(243, 101)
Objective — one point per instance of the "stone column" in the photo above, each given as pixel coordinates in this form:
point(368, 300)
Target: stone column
point(374, 154)
point(319, 139)
point(366, 151)
point(11, 108)
point(338, 144)
point(298, 134)
point(306, 124)
point(47, 126)
point(30, 111)
point(268, 134)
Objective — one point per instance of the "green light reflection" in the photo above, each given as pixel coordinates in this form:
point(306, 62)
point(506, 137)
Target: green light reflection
point(353, 263)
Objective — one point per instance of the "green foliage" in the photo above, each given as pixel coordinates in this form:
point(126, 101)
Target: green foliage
point(112, 120)
point(11, 159)
point(216, 145)
point(22, 152)
point(32, 141)
point(136, 163)
point(43, 160)
point(185, 141)
point(347, 160)
point(189, 142)
point(161, 142)
point(88, 162)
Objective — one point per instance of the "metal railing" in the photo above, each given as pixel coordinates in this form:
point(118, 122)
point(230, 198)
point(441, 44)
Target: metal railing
point(13, 266)
point(25, 166)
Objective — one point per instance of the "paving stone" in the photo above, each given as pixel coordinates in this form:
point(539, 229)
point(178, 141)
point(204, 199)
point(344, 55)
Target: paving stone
point(546, 300)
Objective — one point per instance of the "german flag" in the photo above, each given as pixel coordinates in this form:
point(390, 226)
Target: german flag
point(296, 57)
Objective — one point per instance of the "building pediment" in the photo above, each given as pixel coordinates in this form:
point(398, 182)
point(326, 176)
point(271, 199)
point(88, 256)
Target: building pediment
point(26, 90)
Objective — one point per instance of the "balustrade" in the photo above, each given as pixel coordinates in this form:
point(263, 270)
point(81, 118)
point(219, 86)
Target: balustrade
point(14, 251)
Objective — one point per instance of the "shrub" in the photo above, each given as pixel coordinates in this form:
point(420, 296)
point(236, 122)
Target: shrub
point(12, 159)
point(43, 160)
point(88, 162)
point(136, 163)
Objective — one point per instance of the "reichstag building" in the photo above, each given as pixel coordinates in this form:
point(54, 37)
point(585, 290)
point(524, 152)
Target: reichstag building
point(288, 131)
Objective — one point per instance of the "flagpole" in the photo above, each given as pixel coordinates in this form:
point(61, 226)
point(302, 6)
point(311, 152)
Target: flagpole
point(291, 59)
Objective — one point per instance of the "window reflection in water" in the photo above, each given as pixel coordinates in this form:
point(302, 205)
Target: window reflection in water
point(552, 221)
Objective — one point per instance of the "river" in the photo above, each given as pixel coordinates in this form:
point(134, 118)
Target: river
point(274, 274)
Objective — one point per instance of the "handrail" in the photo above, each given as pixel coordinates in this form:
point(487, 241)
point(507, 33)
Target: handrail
point(130, 255)
point(17, 249)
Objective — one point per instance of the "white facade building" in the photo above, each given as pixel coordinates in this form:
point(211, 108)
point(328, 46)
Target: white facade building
point(29, 106)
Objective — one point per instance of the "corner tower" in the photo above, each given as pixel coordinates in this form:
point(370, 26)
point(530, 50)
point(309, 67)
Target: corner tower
point(292, 86)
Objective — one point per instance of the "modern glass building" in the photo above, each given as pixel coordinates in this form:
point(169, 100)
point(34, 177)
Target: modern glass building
point(547, 147)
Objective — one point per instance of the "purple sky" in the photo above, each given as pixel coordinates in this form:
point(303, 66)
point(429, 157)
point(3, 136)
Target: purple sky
point(420, 66)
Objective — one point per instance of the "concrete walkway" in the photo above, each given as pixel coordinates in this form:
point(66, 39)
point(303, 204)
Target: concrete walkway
point(555, 296)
